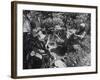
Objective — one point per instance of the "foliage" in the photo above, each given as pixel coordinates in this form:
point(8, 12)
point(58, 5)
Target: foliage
point(54, 28)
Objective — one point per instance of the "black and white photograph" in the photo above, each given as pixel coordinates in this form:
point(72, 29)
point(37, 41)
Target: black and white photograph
point(56, 39)
point(53, 39)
